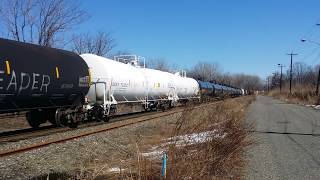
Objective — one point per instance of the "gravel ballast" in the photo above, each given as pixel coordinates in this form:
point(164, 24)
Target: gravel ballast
point(75, 155)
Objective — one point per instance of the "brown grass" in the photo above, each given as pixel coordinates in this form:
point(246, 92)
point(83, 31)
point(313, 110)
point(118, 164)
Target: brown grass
point(222, 155)
point(216, 158)
point(300, 95)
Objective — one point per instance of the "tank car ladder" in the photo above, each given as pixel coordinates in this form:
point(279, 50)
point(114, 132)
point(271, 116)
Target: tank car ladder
point(108, 99)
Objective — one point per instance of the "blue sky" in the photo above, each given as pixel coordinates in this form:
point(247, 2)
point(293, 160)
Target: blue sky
point(243, 36)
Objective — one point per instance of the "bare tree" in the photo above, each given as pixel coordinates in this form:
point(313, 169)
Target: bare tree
point(205, 71)
point(159, 64)
point(101, 44)
point(225, 78)
point(40, 21)
point(251, 82)
point(248, 82)
point(119, 53)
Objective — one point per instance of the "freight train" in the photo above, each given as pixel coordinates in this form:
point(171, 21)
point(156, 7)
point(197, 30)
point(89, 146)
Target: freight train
point(65, 88)
point(209, 90)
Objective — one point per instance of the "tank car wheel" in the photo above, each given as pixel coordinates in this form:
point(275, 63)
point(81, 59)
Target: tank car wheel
point(33, 119)
point(163, 108)
point(52, 119)
point(106, 119)
point(73, 121)
point(58, 118)
point(97, 113)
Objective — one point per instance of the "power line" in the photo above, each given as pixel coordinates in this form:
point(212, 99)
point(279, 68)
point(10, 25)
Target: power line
point(314, 50)
point(313, 63)
point(310, 33)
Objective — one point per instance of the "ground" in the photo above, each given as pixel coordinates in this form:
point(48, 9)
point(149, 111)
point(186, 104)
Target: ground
point(288, 141)
point(19, 121)
point(201, 142)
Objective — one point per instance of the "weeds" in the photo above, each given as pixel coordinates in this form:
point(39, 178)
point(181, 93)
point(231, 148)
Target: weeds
point(300, 95)
point(201, 143)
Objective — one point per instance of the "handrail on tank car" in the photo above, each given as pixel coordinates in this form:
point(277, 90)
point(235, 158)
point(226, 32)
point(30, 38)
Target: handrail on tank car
point(105, 103)
point(131, 58)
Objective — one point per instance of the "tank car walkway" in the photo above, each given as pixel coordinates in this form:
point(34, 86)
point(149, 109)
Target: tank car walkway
point(288, 141)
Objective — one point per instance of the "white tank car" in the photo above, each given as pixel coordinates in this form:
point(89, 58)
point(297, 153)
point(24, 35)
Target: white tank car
point(187, 88)
point(168, 86)
point(161, 85)
point(191, 88)
point(115, 82)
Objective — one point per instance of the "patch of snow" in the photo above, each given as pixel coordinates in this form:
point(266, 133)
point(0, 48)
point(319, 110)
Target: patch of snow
point(183, 140)
point(114, 169)
point(195, 138)
point(314, 106)
point(155, 153)
point(310, 105)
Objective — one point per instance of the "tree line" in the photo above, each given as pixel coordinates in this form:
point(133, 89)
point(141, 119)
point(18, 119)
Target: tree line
point(211, 72)
point(304, 78)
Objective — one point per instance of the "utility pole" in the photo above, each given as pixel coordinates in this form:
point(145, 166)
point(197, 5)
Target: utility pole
point(268, 78)
point(291, 54)
point(281, 66)
point(318, 82)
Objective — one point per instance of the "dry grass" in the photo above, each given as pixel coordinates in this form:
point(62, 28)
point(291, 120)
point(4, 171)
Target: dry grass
point(300, 95)
point(220, 155)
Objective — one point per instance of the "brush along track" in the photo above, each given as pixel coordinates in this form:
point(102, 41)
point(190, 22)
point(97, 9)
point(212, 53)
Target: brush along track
point(97, 129)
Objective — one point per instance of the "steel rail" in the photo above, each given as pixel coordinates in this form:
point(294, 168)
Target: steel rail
point(72, 137)
point(22, 134)
point(110, 126)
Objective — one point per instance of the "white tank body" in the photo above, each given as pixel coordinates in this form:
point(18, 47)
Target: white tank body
point(192, 87)
point(121, 83)
point(161, 84)
point(186, 87)
point(171, 86)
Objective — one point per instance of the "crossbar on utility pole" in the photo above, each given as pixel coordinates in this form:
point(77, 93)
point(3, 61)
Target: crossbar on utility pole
point(291, 54)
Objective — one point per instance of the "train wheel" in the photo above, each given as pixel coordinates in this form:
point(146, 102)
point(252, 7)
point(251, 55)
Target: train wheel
point(59, 118)
point(163, 108)
point(33, 119)
point(97, 113)
point(73, 121)
point(106, 119)
point(52, 119)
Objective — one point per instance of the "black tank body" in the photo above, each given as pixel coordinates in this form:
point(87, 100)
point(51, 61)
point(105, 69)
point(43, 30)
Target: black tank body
point(35, 77)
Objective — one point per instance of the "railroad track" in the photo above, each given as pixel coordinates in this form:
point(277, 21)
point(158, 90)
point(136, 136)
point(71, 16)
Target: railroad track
point(22, 134)
point(117, 123)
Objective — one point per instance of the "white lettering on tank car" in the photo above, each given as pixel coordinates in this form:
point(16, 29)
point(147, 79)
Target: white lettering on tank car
point(1, 79)
point(25, 81)
point(35, 82)
point(22, 81)
point(45, 83)
point(13, 81)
